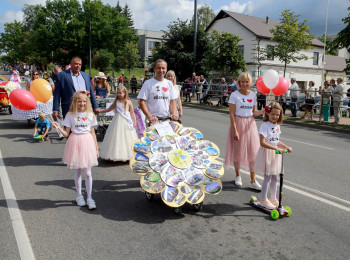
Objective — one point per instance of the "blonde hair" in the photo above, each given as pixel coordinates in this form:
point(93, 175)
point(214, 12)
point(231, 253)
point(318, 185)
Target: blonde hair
point(274, 105)
point(244, 75)
point(74, 107)
point(171, 72)
point(42, 115)
point(126, 95)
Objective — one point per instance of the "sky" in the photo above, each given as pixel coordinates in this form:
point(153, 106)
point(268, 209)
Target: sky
point(156, 15)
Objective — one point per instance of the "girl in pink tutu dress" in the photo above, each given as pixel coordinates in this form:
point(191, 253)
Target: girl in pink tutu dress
point(81, 151)
point(267, 161)
point(243, 139)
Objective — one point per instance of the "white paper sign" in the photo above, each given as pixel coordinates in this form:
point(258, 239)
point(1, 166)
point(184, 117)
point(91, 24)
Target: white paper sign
point(164, 128)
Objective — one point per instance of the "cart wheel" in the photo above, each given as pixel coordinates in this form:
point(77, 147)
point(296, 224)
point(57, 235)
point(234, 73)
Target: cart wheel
point(289, 210)
point(178, 211)
point(274, 214)
point(253, 199)
point(198, 207)
point(149, 196)
point(10, 110)
point(28, 122)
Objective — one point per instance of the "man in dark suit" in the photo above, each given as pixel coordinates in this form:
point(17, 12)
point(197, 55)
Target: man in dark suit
point(67, 83)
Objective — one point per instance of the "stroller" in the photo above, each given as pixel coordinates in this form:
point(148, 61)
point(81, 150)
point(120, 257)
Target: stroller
point(206, 100)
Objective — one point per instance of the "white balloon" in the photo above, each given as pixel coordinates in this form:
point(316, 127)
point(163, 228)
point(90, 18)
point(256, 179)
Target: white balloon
point(270, 79)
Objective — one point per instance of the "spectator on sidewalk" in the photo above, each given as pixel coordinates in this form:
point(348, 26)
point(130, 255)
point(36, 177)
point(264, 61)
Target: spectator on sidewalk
point(133, 84)
point(188, 89)
point(331, 110)
point(101, 86)
point(234, 85)
point(204, 83)
point(338, 93)
point(293, 93)
point(326, 93)
point(310, 100)
point(223, 90)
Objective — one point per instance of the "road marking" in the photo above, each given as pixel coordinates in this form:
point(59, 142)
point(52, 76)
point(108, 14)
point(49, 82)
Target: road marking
point(337, 205)
point(23, 243)
point(308, 144)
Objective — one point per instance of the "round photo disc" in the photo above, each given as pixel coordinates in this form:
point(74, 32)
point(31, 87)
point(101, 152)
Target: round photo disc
point(179, 159)
point(146, 140)
point(184, 131)
point(151, 133)
point(187, 143)
point(210, 148)
point(176, 126)
point(200, 159)
point(152, 187)
point(172, 197)
point(197, 196)
point(196, 134)
point(215, 170)
point(139, 147)
point(162, 145)
point(139, 167)
point(213, 188)
point(186, 189)
point(141, 157)
point(158, 160)
point(172, 176)
point(194, 176)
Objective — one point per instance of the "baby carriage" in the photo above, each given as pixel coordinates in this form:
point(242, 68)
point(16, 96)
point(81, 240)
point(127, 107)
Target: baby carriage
point(103, 119)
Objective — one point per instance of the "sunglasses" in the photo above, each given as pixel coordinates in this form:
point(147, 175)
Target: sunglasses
point(36, 74)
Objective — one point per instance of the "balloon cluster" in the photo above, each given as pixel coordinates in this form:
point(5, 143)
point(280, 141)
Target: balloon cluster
point(271, 81)
point(40, 90)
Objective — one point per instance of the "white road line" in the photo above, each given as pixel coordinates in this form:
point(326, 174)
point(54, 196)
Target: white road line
point(308, 144)
point(337, 205)
point(23, 243)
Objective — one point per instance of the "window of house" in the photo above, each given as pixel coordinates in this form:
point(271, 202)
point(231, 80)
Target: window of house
point(152, 44)
point(269, 52)
point(241, 49)
point(315, 62)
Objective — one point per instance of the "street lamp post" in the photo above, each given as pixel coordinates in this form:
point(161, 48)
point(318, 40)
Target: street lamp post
point(195, 36)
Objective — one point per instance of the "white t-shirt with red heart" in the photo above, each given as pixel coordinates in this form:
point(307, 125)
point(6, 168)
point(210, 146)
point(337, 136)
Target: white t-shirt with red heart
point(158, 95)
point(271, 132)
point(80, 123)
point(244, 103)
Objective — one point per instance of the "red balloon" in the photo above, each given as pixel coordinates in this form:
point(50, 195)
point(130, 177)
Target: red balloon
point(22, 99)
point(282, 87)
point(260, 85)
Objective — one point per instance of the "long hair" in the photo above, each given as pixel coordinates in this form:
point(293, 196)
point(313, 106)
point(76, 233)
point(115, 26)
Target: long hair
point(244, 75)
point(171, 72)
point(268, 109)
point(126, 95)
point(74, 106)
point(32, 75)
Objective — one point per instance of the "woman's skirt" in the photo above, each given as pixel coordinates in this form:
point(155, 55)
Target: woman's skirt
point(80, 151)
point(268, 162)
point(242, 153)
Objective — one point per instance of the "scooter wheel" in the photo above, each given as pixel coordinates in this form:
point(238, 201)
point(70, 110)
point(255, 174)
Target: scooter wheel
point(274, 214)
point(198, 207)
point(149, 196)
point(178, 211)
point(253, 199)
point(289, 210)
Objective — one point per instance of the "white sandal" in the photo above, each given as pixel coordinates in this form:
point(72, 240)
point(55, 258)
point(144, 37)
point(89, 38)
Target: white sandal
point(80, 201)
point(91, 204)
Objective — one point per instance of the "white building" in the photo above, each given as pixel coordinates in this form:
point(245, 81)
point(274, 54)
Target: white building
point(148, 40)
point(255, 32)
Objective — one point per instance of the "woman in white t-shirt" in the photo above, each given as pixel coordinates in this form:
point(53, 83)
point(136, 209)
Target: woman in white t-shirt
point(170, 75)
point(81, 151)
point(243, 139)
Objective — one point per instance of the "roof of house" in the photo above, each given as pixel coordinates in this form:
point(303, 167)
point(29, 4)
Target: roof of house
point(334, 63)
point(256, 25)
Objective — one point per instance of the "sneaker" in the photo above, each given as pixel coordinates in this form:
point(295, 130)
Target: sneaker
point(80, 201)
point(91, 204)
point(267, 204)
point(238, 181)
point(47, 138)
point(274, 202)
point(255, 185)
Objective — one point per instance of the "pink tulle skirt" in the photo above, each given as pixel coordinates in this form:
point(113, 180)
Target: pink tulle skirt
point(80, 151)
point(241, 154)
point(268, 162)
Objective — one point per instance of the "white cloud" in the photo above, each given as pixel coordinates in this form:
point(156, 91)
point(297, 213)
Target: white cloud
point(10, 16)
point(237, 7)
point(21, 3)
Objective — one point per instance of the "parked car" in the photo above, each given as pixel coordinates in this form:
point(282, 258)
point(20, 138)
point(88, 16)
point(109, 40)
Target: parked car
point(345, 109)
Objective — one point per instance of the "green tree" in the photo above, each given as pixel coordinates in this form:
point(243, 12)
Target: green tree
point(343, 39)
point(128, 15)
point(128, 56)
point(12, 40)
point(177, 49)
point(224, 55)
point(291, 37)
point(205, 15)
point(330, 48)
point(103, 59)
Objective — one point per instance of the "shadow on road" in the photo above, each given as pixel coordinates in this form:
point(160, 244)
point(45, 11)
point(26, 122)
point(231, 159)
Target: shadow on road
point(32, 161)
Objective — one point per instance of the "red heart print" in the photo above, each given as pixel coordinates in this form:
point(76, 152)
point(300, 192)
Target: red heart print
point(165, 89)
point(250, 100)
point(83, 118)
point(277, 130)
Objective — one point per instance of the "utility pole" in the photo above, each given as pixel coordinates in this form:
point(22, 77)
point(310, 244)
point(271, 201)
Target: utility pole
point(90, 48)
point(195, 36)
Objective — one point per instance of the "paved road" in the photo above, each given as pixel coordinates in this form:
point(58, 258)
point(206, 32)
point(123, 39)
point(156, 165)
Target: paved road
point(126, 226)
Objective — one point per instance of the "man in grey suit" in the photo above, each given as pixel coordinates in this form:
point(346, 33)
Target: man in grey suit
point(67, 83)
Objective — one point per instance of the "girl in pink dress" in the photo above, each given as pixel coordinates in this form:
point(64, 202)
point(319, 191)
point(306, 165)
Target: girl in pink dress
point(243, 139)
point(81, 151)
point(267, 161)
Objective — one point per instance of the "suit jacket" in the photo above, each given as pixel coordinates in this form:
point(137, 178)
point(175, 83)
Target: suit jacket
point(64, 91)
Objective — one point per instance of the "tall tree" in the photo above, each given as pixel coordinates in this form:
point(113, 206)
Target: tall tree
point(119, 8)
point(129, 56)
point(343, 39)
point(224, 55)
point(103, 60)
point(205, 15)
point(330, 48)
point(291, 37)
point(177, 49)
point(128, 15)
point(12, 41)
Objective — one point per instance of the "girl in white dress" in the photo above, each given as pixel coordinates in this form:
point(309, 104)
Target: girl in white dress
point(121, 133)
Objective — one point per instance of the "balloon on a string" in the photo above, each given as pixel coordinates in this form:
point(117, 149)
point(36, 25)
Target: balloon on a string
point(261, 86)
point(270, 78)
point(22, 99)
point(282, 87)
point(41, 90)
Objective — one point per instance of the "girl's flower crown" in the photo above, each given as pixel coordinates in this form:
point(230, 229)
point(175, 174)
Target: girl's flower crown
point(85, 92)
point(268, 109)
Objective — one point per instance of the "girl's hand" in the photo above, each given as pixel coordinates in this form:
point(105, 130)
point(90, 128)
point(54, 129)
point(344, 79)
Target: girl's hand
point(280, 150)
point(236, 135)
point(134, 124)
point(97, 154)
point(290, 149)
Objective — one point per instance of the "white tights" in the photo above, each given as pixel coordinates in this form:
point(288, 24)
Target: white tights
point(88, 181)
point(265, 186)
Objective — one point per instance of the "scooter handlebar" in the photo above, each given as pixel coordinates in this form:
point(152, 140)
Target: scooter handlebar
point(285, 150)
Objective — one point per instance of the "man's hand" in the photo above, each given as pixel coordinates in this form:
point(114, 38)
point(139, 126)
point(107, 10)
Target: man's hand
point(153, 119)
point(96, 111)
point(54, 116)
point(174, 117)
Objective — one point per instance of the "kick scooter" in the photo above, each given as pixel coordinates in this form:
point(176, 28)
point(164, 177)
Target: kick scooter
point(280, 210)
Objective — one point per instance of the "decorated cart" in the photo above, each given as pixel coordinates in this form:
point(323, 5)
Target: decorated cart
point(178, 163)
point(6, 88)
